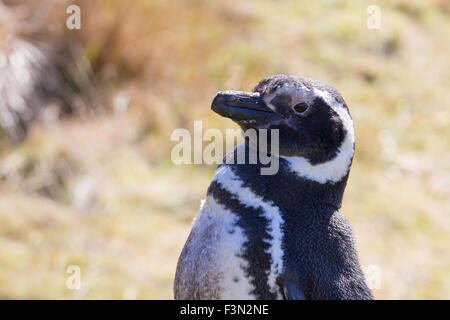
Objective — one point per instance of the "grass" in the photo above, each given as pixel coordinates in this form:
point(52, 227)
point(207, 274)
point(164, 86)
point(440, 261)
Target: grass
point(101, 192)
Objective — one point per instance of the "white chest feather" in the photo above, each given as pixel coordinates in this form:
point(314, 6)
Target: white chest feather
point(218, 255)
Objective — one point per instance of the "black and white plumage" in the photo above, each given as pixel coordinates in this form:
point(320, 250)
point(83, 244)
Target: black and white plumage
point(278, 236)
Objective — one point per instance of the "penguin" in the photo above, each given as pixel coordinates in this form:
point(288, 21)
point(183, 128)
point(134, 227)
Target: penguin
point(278, 236)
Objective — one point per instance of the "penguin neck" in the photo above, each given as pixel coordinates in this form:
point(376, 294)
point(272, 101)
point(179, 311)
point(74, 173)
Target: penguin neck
point(309, 193)
point(316, 184)
point(290, 189)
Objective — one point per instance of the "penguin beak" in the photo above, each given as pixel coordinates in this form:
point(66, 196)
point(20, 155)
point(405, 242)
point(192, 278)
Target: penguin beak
point(238, 106)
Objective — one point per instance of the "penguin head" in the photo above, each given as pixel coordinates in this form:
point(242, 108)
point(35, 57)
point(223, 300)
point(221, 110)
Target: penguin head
point(313, 120)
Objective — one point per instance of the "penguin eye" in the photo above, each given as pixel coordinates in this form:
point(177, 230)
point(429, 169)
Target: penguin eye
point(301, 107)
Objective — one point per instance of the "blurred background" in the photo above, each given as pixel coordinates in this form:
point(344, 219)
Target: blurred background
point(86, 117)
